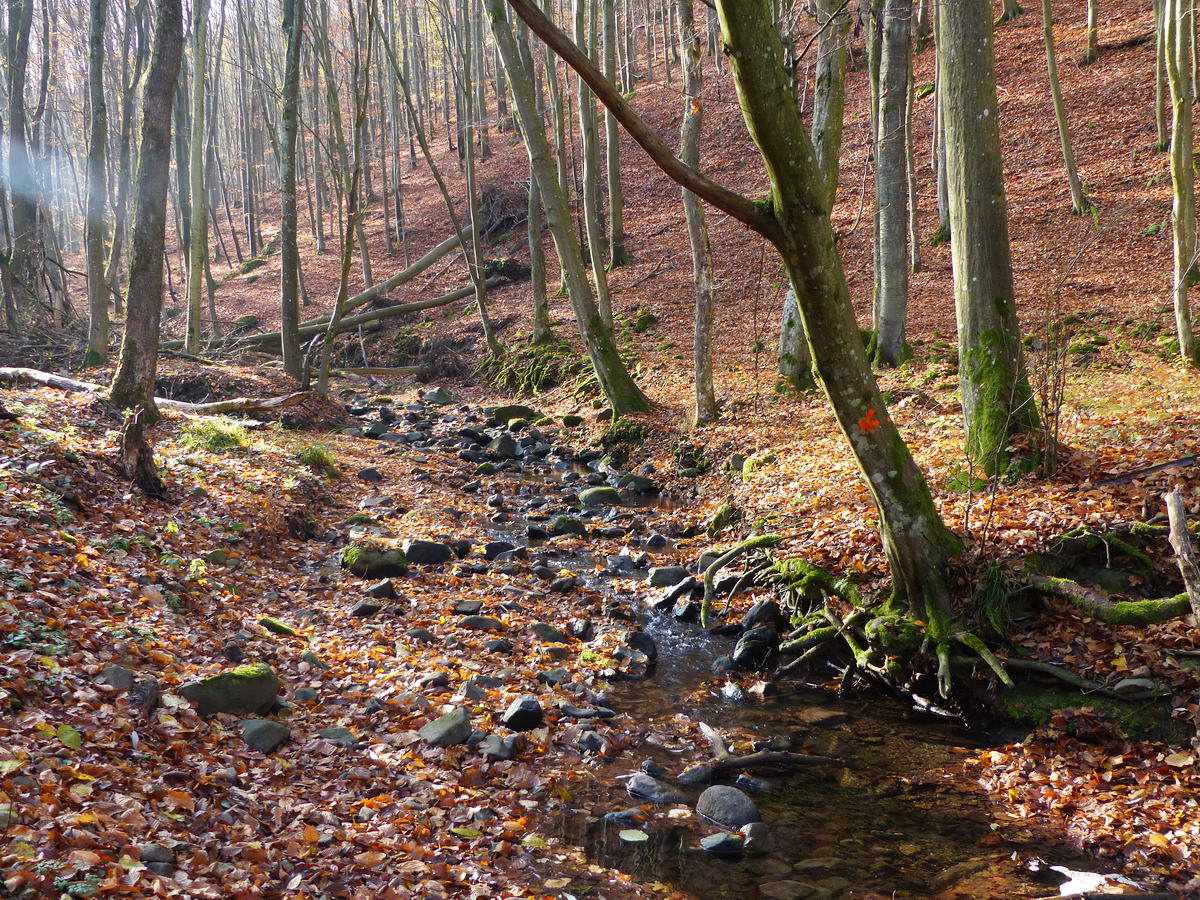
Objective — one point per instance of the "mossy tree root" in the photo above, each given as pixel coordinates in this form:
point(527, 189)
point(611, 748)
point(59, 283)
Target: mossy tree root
point(1115, 612)
point(757, 542)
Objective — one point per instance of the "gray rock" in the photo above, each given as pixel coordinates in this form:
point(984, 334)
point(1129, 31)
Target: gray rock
point(554, 677)
point(233, 652)
point(306, 695)
point(439, 396)
point(468, 607)
point(644, 787)
point(579, 712)
point(727, 806)
point(264, 735)
point(382, 590)
point(343, 736)
point(492, 549)
point(567, 525)
point(667, 576)
point(497, 749)
point(638, 484)
point(549, 634)
point(504, 414)
point(482, 623)
point(503, 447)
point(524, 714)
point(641, 642)
point(764, 612)
point(445, 731)
point(371, 475)
point(600, 496)
point(427, 553)
point(758, 838)
point(149, 853)
point(722, 845)
point(756, 647)
point(591, 742)
point(250, 689)
point(365, 608)
point(117, 677)
point(424, 635)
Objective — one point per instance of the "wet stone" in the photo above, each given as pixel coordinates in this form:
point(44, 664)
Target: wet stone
point(382, 590)
point(523, 714)
point(667, 576)
point(722, 845)
point(365, 608)
point(445, 731)
point(644, 787)
point(549, 634)
point(264, 735)
point(427, 553)
point(468, 607)
point(727, 806)
point(424, 635)
point(482, 623)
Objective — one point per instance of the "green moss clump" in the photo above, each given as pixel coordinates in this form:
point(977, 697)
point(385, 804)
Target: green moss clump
point(1036, 704)
point(319, 458)
point(251, 264)
point(252, 670)
point(275, 626)
point(213, 435)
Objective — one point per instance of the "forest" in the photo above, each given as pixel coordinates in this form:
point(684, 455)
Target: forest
point(599, 448)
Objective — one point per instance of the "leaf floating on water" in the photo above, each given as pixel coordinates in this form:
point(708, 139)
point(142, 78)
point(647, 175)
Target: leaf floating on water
point(532, 840)
point(634, 835)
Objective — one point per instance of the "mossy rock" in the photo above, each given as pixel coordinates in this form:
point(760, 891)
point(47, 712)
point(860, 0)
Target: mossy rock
point(725, 517)
point(572, 421)
point(600, 496)
point(248, 690)
point(567, 525)
point(512, 411)
point(275, 626)
point(251, 264)
point(374, 562)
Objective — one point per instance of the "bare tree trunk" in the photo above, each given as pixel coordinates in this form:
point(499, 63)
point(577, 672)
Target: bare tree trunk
point(585, 37)
point(289, 251)
point(689, 152)
point(97, 187)
point(1091, 50)
point(133, 383)
point(829, 93)
point(1079, 201)
point(1163, 137)
point(617, 254)
point(891, 184)
point(197, 169)
point(1179, 22)
point(26, 262)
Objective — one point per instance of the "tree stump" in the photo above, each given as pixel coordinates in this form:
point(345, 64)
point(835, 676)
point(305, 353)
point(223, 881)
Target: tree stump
point(135, 457)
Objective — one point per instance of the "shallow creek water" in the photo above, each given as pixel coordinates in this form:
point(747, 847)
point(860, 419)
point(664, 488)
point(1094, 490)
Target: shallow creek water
point(893, 817)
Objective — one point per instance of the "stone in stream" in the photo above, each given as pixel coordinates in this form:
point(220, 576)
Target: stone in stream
point(600, 496)
point(722, 845)
point(564, 584)
point(445, 731)
point(643, 787)
point(382, 590)
point(524, 714)
point(492, 549)
point(250, 689)
point(264, 735)
point(468, 607)
point(554, 677)
point(536, 533)
point(372, 562)
point(581, 628)
point(667, 576)
point(427, 553)
point(549, 634)
point(757, 838)
point(503, 447)
point(656, 541)
point(821, 717)
point(486, 468)
point(638, 484)
point(789, 890)
point(591, 742)
point(756, 647)
point(641, 642)
point(567, 525)
point(727, 807)
point(686, 610)
point(764, 612)
point(371, 475)
point(578, 712)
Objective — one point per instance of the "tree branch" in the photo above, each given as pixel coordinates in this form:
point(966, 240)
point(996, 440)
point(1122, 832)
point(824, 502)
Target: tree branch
point(741, 208)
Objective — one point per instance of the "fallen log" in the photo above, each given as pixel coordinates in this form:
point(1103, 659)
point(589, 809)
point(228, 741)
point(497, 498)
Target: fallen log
point(1115, 612)
point(724, 761)
point(380, 370)
point(1182, 462)
point(1181, 543)
point(357, 300)
point(13, 375)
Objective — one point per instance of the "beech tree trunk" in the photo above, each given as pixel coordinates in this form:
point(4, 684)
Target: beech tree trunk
point(26, 262)
point(97, 190)
point(1178, 24)
point(133, 383)
point(289, 251)
point(689, 152)
point(1079, 202)
point(617, 254)
point(585, 37)
point(829, 92)
point(998, 405)
point(891, 184)
point(615, 380)
point(198, 239)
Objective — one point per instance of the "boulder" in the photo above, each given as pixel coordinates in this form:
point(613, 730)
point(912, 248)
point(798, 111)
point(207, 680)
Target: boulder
point(374, 562)
point(524, 714)
point(427, 553)
point(503, 447)
point(445, 731)
point(264, 735)
point(727, 807)
point(439, 396)
point(567, 525)
point(502, 414)
point(247, 690)
point(722, 845)
point(641, 642)
point(492, 549)
point(482, 623)
point(764, 612)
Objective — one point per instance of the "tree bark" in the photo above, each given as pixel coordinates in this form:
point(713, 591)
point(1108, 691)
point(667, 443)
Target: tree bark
point(289, 251)
point(829, 92)
point(1178, 23)
point(1079, 202)
point(133, 383)
point(197, 168)
point(617, 254)
point(585, 37)
point(997, 403)
point(97, 190)
point(26, 262)
point(621, 390)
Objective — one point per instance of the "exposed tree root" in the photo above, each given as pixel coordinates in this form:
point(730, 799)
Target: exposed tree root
point(758, 542)
point(135, 457)
point(724, 761)
point(1115, 612)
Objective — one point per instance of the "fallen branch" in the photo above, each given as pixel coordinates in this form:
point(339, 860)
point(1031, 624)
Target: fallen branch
point(1181, 543)
point(762, 759)
point(216, 408)
point(380, 370)
point(1115, 612)
point(1182, 462)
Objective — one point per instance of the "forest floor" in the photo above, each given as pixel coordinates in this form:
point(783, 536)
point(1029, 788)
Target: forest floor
point(93, 574)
